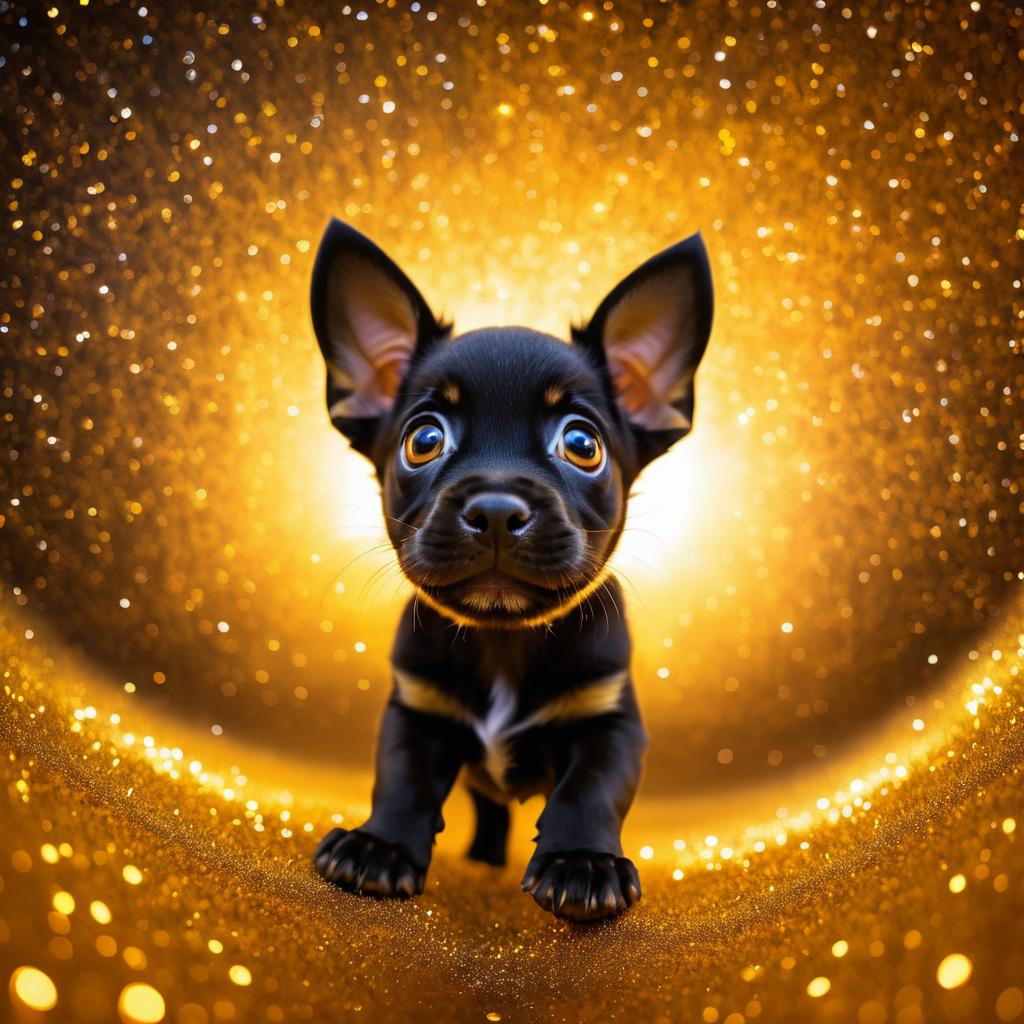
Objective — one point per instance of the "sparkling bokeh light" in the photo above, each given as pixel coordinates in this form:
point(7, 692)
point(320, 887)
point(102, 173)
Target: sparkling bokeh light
point(823, 580)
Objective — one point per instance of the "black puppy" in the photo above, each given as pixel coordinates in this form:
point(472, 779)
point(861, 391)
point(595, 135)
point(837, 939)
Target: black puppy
point(505, 457)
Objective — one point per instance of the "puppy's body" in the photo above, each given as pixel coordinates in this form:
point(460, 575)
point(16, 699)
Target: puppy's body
point(505, 458)
point(520, 695)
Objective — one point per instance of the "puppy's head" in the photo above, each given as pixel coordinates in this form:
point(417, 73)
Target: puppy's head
point(505, 455)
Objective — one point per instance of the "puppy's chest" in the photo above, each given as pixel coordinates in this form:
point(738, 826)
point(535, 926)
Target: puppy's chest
point(509, 722)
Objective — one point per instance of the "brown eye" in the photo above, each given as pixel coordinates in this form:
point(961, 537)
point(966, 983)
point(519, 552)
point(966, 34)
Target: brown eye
point(423, 444)
point(582, 447)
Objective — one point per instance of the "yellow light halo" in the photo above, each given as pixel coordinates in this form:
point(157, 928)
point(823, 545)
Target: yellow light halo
point(850, 476)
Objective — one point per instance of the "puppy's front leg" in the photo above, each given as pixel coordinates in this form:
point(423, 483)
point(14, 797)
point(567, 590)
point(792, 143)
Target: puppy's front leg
point(418, 758)
point(578, 870)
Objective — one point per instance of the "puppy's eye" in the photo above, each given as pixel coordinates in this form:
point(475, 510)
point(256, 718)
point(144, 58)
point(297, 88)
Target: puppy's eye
point(582, 447)
point(423, 444)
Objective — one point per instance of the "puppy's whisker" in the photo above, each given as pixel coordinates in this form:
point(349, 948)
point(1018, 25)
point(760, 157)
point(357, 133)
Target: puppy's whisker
point(626, 520)
point(650, 568)
point(377, 549)
point(627, 530)
point(373, 512)
point(382, 575)
point(394, 587)
point(402, 522)
point(374, 549)
point(331, 531)
point(637, 597)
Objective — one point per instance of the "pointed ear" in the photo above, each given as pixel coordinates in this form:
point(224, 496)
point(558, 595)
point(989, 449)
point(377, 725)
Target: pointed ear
point(370, 321)
point(651, 332)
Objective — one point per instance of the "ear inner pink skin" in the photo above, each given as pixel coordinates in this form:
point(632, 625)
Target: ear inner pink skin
point(647, 348)
point(373, 327)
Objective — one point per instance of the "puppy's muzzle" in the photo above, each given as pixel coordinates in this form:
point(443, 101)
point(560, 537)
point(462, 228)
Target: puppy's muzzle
point(514, 526)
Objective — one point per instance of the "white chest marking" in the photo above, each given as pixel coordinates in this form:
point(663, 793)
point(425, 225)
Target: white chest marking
point(494, 729)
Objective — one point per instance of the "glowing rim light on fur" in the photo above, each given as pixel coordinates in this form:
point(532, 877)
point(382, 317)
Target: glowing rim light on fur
point(526, 623)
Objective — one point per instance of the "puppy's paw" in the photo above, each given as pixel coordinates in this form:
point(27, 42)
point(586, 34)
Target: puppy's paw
point(358, 862)
point(582, 885)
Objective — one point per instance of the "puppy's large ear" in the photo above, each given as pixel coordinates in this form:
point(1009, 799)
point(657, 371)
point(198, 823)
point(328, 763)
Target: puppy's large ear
point(651, 332)
point(370, 321)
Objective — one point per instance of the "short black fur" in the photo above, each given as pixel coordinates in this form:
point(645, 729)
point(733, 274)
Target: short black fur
point(505, 459)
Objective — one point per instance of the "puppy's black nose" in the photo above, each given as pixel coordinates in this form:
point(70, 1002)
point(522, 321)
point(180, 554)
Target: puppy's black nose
point(496, 517)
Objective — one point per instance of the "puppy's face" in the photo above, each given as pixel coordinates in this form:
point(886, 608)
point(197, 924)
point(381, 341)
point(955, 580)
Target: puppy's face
point(504, 469)
point(506, 455)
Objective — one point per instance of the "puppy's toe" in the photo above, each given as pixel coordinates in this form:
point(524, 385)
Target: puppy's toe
point(335, 857)
point(629, 879)
point(582, 885)
point(359, 862)
point(408, 882)
point(375, 877)
point(328, 841)
point(548, 886)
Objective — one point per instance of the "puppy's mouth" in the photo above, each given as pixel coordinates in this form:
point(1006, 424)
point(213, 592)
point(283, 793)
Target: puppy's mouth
point(496, 598)
point(496, 593)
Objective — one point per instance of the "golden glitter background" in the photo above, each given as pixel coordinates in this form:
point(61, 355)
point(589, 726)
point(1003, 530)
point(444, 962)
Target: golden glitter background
point(823, 580)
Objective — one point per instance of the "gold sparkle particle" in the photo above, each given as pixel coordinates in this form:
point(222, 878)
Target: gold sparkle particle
point(240, 974)
point(100, 912)
point(1010, 1004)
point(131, 874)
point(817, 987)
point(33, 988)
point(140, 1003)
point(954, 970)
point(63, 903)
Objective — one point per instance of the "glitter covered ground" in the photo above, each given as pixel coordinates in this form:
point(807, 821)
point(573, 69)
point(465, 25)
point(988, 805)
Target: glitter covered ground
point(823, 580)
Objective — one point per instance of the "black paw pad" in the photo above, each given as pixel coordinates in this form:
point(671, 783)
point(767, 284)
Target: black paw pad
point(582, 885)
point(359, 862)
